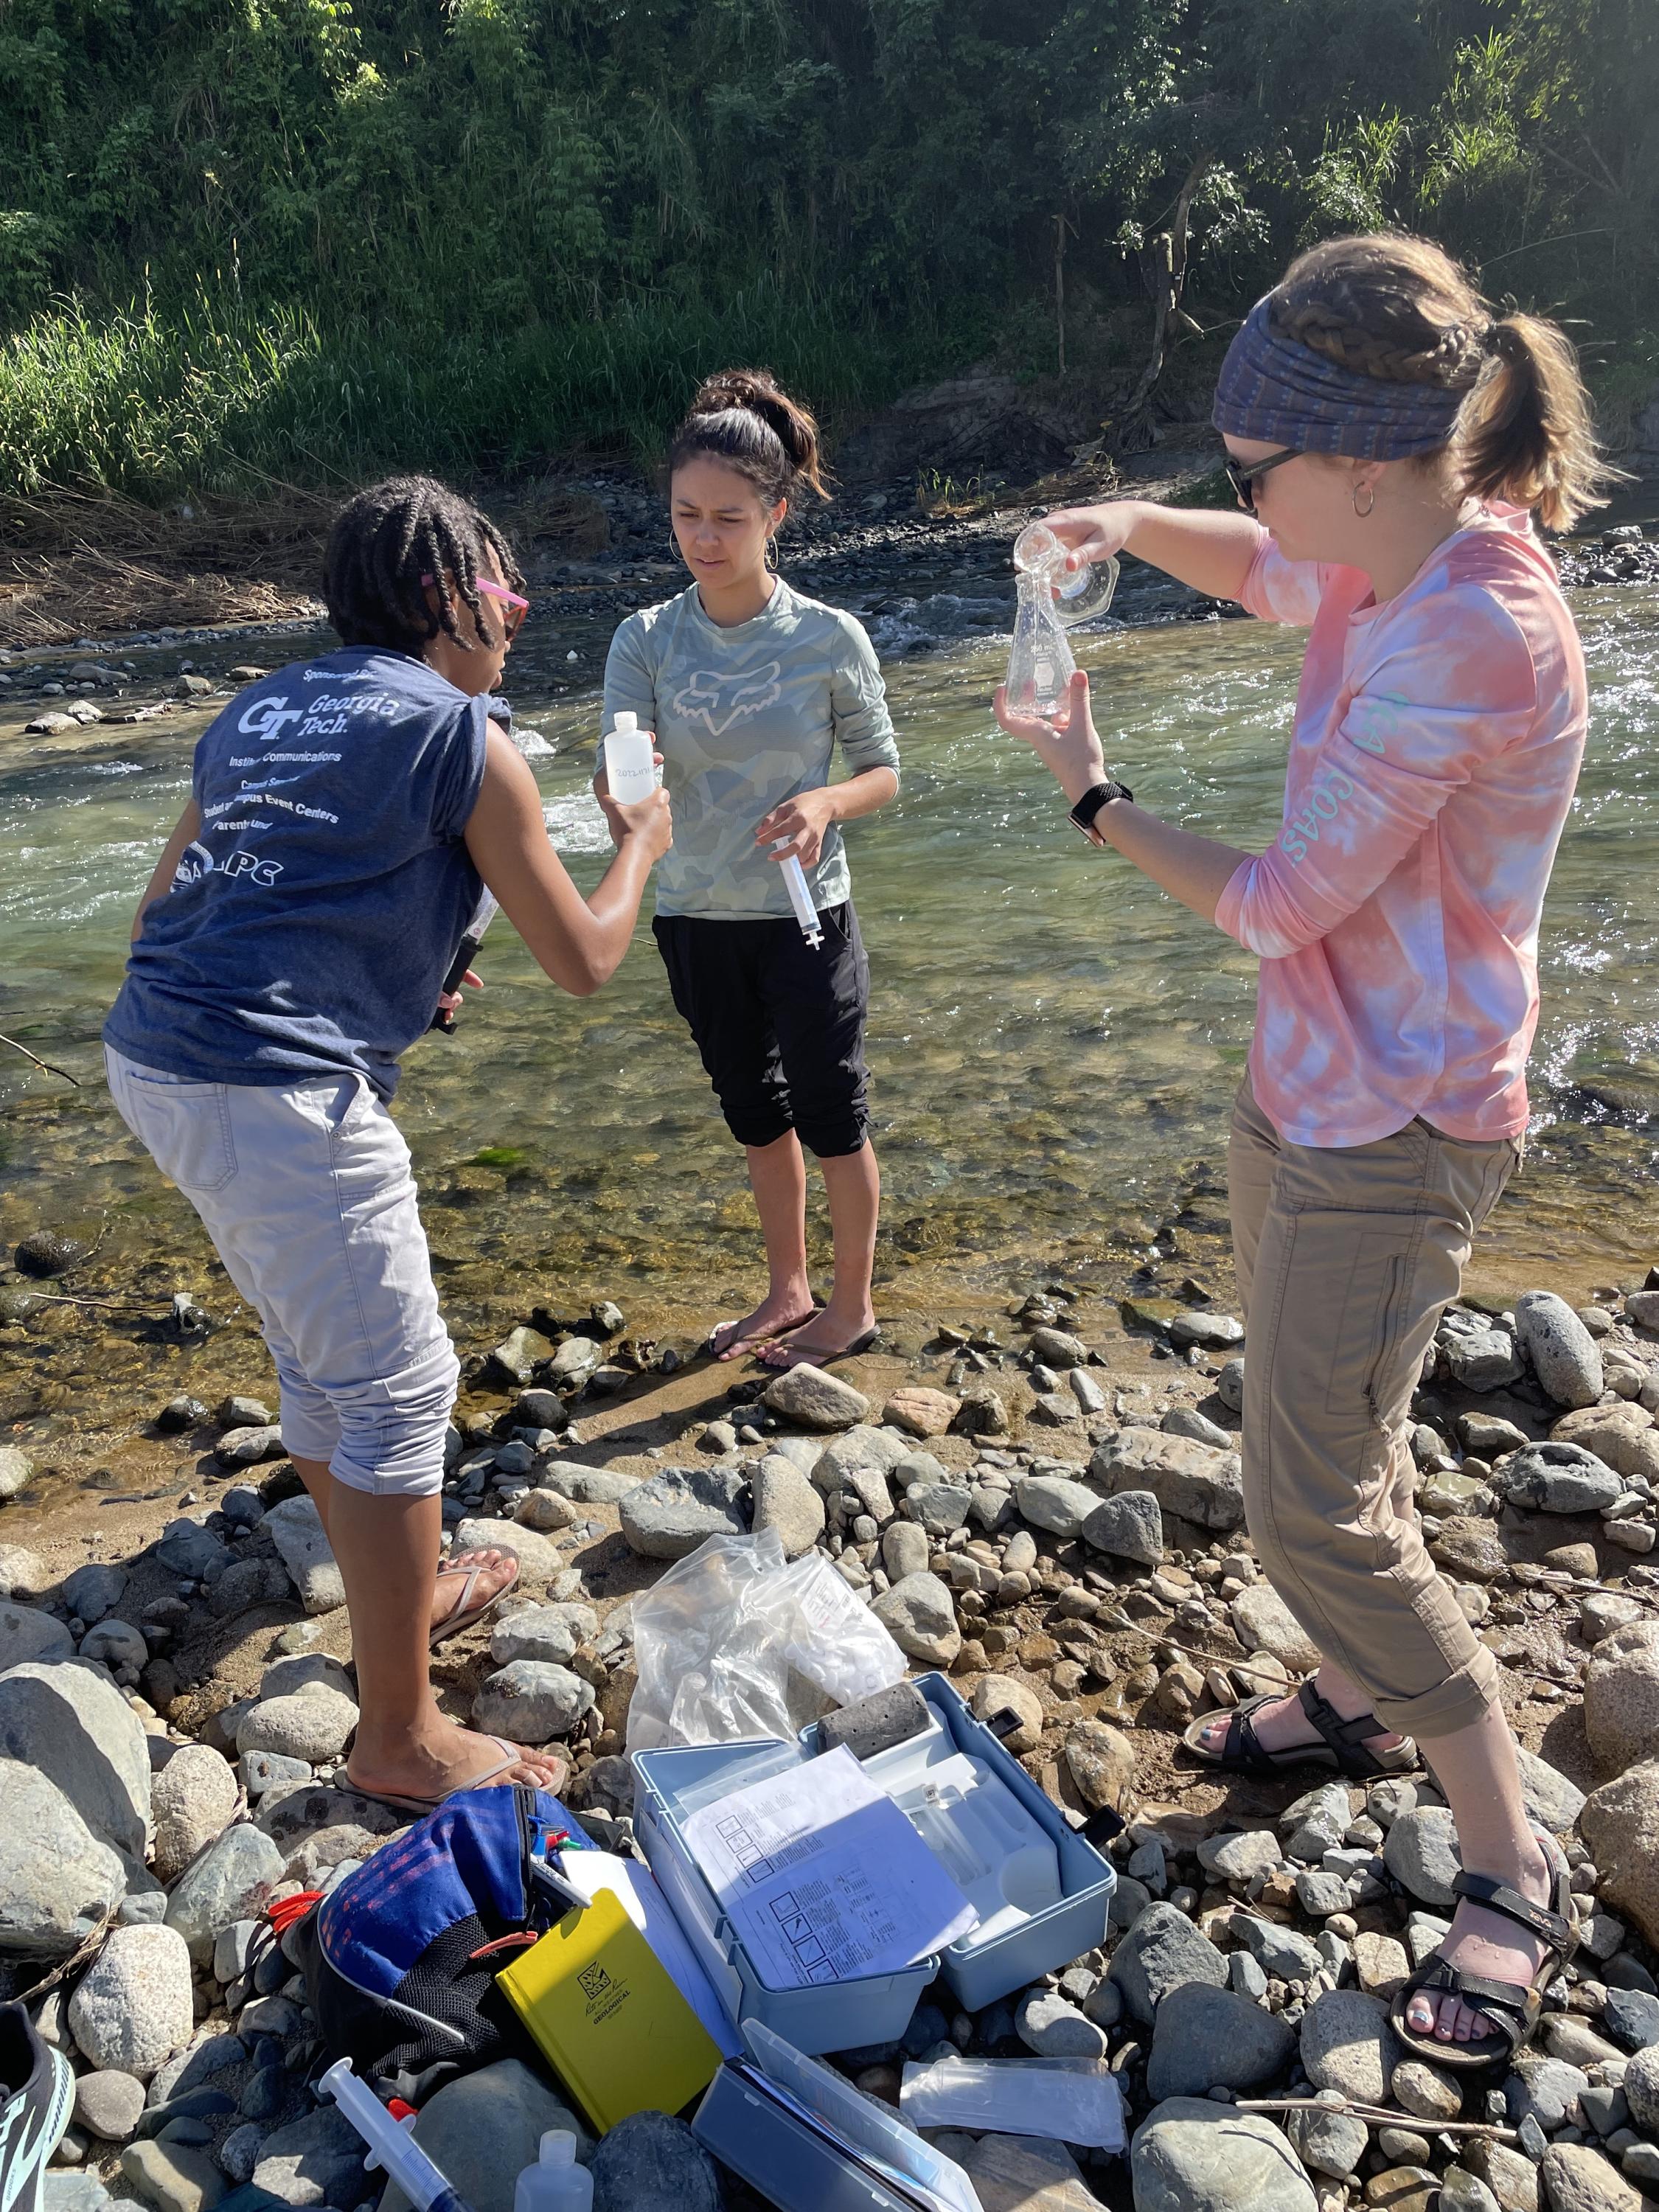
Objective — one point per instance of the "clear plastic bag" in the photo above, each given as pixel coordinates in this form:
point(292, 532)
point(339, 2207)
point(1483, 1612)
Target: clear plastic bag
point(736, 1642)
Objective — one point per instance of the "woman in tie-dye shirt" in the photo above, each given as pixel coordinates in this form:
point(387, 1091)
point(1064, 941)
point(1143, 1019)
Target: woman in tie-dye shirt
point(1390, 439)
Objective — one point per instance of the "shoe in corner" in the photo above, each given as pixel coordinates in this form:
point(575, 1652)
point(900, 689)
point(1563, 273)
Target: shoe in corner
point(37, 2096)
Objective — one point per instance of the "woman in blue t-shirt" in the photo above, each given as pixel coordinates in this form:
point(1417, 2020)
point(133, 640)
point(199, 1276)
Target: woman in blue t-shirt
point(346, 815)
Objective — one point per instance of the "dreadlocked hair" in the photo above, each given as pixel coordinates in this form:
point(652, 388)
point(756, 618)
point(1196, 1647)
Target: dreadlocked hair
point(386, 540)
point(744, 418)
point(1401, 309)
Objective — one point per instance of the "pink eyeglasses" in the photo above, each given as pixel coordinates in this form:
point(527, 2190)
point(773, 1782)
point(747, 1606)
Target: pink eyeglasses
point(517, 608)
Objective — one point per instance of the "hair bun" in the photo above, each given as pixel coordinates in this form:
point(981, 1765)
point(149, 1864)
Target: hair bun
point(757, 393)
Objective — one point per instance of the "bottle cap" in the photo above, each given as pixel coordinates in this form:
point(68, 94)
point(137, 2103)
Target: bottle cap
point(625, 723)
point(558, 2148)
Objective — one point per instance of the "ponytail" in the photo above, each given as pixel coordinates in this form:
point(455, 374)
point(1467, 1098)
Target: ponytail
point(744, 418)
point(1524, 435)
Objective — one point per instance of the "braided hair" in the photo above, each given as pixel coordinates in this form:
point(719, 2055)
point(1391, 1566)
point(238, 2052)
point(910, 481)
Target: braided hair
point(385, 541)
point(1400, 309)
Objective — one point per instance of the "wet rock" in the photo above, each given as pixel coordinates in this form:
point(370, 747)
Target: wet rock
point(107, 2103)
point(1557, 1478)
point(1206, 2039)
point(550, 1633)
point(17, 1471)
point(814, 1400)
point(1053, 1503)
point(44, 1253)
point(1421, 1853)
point(483, 2128)
point(132, 2008)
point(670, 1514)
point(1159, 1952)
point(1101, 1760)
point(531, 1702)
point(1621, 1706)
point(173, 2177)
point(231, 1881)
point(1263, 1622)
point(1565, 1358)
point(75, 1728)
point(515, 1359)
point(56, 1878)
point(27, 1633)
point(788, 1501)
point(1048, 2025)
point(1187, 1478)
point(315, 2160)
point(296, 1531)
point(1191, 2155)
point(650, 2163)
point(1578, 2179)
point(919, 1615)
point(315, 1723)
point(1129, 1526)
point(1348, 2044)
point(921, 1412)
point(996, 1695)
point(193, 1800)
point(94, 1591)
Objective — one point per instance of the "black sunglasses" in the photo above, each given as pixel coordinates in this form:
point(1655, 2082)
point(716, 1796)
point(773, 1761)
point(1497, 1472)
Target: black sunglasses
point(1242, 479)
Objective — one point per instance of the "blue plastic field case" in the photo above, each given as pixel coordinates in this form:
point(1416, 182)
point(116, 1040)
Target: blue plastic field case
point(1051, 1939)
point(837, 2017)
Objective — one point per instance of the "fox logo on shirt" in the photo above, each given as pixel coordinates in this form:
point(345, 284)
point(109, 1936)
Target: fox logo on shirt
point(717, 702)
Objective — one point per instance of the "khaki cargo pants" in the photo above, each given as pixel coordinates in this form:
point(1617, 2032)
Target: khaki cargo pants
point(1345, 1259)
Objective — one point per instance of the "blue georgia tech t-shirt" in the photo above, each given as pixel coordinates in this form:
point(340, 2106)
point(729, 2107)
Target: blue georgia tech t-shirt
point(310, 927)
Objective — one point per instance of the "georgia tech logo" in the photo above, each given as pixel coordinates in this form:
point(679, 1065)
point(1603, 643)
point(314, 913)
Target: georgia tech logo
point(267, 718)
point(717, 702)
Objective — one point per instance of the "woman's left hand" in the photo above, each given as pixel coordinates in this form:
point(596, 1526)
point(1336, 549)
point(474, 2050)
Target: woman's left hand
point(803, 820)
point(1066, 744)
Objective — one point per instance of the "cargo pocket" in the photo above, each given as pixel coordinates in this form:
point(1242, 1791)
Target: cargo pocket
point(1366, 1321)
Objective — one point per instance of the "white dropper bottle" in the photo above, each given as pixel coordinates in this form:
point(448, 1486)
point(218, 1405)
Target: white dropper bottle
point(629, 761)
point(555, 2182)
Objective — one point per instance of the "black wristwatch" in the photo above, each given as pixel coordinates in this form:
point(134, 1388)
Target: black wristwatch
point(1096, 796)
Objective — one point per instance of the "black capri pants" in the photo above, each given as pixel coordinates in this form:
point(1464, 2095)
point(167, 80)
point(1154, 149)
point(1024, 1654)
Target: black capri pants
point(780, 1024)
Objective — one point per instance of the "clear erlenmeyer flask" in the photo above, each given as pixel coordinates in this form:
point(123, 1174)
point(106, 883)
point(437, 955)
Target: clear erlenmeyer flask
point(1052, 599)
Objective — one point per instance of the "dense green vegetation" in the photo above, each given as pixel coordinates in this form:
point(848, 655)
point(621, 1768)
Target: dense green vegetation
point(309, 236)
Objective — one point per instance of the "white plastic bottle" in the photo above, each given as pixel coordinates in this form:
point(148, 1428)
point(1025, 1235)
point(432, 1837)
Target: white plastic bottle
point(629, 767)
point(555, 2182)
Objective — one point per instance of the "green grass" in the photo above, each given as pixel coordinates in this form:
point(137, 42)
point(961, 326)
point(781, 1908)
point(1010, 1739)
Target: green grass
point(216, 396)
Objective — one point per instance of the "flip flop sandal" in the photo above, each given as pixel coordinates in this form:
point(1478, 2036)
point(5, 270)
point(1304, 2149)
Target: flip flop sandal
point(1513, 2008)
point(714, 1351)
point(782, 1366)
point(467, 1613)
point(513, 1754)
point(1343, 1748)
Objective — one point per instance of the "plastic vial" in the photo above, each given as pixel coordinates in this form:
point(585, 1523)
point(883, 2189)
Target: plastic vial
point(1052, 600)
point(555, 2182)
point(629, 767)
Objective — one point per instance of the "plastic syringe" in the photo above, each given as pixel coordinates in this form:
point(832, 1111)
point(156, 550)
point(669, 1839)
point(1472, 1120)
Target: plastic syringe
point(795, 882)
point(391, 2147)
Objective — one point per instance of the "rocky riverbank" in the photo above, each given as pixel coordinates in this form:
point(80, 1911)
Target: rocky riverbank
point(1048, 1503)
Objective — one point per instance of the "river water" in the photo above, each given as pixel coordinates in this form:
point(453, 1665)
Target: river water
point(1054, 1044)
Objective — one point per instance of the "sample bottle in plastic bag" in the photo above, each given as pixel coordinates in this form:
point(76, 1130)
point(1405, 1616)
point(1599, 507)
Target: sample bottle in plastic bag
point(1053, 599)
point(555, 2182)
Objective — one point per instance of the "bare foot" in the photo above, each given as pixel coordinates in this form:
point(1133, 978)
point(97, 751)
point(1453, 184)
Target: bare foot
point(730, 1339)
point(824, 1336)
point(496, 1572)
point(443, 1757)
point(1284, 1724)
point(1486, 1944)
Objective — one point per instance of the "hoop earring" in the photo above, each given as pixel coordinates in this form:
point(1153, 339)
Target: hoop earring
point(1369, 491)
point(769, 558)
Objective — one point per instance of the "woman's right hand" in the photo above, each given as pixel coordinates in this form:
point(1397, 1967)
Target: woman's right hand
point(649, 820)
point(1095, 534)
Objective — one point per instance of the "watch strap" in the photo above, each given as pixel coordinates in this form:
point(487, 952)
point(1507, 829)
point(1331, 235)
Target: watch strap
point(1097, 795)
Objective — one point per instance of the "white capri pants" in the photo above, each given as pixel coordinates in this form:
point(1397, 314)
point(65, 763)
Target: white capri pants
point(306, 1190)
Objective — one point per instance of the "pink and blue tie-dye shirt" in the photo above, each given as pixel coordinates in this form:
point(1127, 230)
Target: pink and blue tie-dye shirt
point(1436, 743)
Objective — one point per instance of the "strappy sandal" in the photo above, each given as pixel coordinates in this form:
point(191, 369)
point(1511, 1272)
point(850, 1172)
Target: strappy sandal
point(1513, 2008)
point(1342, 1748)
point(469, 1610)
point(513, 1755)
point(779, 1356)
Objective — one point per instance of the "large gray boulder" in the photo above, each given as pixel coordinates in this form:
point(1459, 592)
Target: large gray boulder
point(671, 1514)
point(133, 2008)
point(1190, 1479)
point(73, 1724)
point(1190, 2155)
point(57, 1880)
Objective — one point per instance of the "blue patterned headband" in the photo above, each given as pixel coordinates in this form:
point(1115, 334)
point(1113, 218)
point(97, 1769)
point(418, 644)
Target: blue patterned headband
point(1281, 391)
